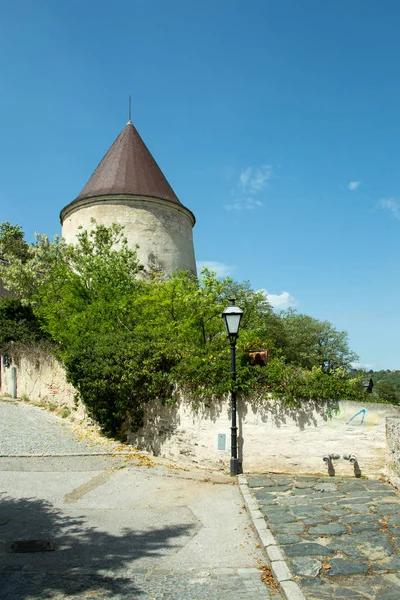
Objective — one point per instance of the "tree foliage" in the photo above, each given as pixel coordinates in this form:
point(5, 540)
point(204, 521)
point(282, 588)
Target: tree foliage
point(126, 339)
point(18, 323)
point(386, 386)
point(387, 392)
point(12, 242)
point(313, 343)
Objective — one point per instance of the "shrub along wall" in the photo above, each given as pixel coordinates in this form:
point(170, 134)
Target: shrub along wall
point(272, 436)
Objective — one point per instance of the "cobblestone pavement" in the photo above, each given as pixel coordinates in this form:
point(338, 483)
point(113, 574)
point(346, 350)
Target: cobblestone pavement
point(28, 430)
point(340, 537)
point(157, 584)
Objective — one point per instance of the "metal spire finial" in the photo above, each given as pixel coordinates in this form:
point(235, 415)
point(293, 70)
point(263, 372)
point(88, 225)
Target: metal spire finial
point(129, 109)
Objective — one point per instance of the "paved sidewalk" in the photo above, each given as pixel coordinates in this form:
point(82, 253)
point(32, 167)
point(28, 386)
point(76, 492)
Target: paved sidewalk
point(120, 526)
point(27, 430)
point(125, 533)
point(340, 537)
point(156, 584)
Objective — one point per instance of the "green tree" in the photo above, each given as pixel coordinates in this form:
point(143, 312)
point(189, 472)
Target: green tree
point(126, 339)
point(62, 281)
point(12, 242)
point(82, 294)
point(387, 392)
point(18, 323)
point(313, 343)
point(188, 313)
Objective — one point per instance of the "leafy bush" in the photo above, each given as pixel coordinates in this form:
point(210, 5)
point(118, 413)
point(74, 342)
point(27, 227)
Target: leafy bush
point(386, 392)
point(126, 340)
point(18, 323)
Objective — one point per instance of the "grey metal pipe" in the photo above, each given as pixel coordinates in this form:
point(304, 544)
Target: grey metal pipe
point(350, 457)
point(329, 457)
point(13, 382)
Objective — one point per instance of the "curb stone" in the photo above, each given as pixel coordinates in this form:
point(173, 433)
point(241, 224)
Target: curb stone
point(281, 571)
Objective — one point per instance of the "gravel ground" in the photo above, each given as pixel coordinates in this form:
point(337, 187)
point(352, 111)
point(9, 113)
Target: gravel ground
point(27, 430)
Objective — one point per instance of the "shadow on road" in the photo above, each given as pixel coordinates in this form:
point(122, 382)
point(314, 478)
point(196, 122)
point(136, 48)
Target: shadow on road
point(86, 559)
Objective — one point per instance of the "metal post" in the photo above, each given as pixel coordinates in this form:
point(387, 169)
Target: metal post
point(234, 456)
point(13, 382)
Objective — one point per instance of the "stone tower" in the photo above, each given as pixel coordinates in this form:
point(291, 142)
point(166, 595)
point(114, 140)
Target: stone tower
point(129, 188)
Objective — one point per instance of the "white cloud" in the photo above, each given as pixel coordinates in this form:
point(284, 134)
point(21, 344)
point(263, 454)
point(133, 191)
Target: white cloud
point(221, 269)
point(254, 179)
point(250, 183)
point(354, 185)
point(243, 204)
point(280, 301)
point(391, 205)
point(363, 366)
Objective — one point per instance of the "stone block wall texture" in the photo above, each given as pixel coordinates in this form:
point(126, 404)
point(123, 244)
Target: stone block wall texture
point(161, 229)
point(272, 436)
point(41, 378)
point(393, 450)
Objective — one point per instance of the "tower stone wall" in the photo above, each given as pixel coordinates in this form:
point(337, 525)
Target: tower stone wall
point(163, 231)
point(129, 188)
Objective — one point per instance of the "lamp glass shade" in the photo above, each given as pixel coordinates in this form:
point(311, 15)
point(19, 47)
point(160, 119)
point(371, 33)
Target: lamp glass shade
point(232, 316)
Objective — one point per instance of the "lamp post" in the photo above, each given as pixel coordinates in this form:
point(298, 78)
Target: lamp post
point(232, 316)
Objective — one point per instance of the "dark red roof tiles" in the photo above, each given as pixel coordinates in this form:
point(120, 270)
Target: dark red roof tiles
point(128, 168)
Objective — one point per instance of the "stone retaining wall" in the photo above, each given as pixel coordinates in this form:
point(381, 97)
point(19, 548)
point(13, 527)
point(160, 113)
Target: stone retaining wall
point(40, 378)
point(393, 450)
point(272, 436)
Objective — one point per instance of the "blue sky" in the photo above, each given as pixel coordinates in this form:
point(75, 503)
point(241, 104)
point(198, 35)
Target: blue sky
point(276, 123)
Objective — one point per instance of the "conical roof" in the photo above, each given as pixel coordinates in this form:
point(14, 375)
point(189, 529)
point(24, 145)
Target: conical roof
point(128, 168)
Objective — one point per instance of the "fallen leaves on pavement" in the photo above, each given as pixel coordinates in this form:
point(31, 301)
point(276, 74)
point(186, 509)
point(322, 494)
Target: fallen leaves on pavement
point(267, 577)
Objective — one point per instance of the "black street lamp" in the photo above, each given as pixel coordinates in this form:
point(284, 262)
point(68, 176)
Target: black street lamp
point(232, 316)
